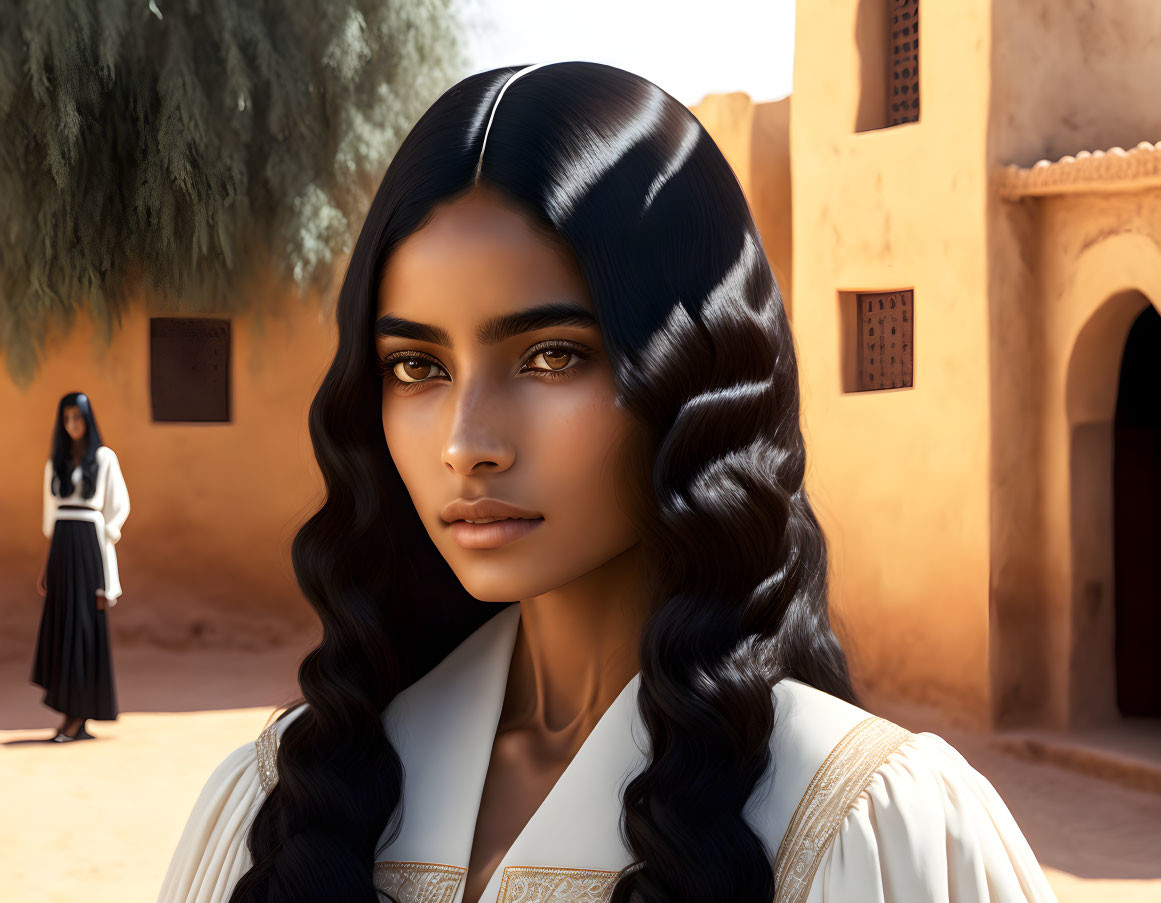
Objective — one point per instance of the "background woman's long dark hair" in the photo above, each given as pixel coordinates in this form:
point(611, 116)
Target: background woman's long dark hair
point(702, 353)
point(62, 449)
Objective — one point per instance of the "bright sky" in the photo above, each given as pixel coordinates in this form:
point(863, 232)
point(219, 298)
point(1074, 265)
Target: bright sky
point(688, 49)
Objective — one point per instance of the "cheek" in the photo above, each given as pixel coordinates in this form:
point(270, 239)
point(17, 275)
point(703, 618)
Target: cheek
point(580, 454)
point(414, 449)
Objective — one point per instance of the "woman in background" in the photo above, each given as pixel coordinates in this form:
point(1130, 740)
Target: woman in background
point(85, 504)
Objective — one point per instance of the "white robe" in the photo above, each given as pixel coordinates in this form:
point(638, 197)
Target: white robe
point(859, 809)
point(107, 509)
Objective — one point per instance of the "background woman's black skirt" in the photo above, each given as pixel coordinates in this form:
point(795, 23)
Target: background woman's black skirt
point(73, 662)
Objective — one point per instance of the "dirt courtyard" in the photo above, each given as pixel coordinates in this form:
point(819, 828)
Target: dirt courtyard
point(98, 820)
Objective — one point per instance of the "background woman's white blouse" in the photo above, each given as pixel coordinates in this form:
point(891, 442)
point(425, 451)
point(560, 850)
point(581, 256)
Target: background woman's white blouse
point(108, 509)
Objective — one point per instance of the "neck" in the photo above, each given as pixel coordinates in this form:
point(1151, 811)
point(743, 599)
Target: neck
point(576, 649)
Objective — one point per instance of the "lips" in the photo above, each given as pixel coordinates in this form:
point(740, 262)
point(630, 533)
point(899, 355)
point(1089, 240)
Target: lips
point(496, 522)
point(494, 534)
point(486, 510)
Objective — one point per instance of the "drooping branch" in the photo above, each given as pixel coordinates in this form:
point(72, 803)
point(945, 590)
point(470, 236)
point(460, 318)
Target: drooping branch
point(181, 146)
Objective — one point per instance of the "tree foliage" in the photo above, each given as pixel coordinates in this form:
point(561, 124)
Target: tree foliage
point(178, 146)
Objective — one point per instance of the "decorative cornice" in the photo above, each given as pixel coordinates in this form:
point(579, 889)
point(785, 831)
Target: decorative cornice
point(1100, 172)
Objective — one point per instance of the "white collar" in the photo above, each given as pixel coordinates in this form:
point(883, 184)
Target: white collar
point(443, 727)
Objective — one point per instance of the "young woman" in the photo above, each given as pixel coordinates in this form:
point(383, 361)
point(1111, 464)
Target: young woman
point(85, 505)
point(576, 644)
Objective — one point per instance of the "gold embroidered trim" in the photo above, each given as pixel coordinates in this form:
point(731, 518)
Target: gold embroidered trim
point(535, 884)
point(839, 780)
point(267, 748)
point(418, 882)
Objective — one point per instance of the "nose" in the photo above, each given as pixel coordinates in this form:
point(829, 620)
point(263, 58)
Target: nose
point(477, 439)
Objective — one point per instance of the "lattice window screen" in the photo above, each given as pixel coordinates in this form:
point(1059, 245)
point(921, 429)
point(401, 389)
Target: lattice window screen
point(903, 95)
point(886, 346)
point(189, 369)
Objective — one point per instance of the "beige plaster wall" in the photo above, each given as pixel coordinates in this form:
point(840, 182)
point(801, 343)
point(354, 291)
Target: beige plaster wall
point(205, 554)
point(1072, 75)
point(899, 477)
point(1026, 631)
point(755, 140)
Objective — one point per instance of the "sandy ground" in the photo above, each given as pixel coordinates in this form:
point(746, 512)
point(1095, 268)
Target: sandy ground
point(98, 820)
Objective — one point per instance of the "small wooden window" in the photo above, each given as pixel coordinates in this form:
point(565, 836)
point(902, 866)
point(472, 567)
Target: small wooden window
point(903, 88)
point(189, 369)
point(886, 346)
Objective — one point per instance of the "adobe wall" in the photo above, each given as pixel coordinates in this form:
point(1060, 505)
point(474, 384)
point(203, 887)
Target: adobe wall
point(899, 477)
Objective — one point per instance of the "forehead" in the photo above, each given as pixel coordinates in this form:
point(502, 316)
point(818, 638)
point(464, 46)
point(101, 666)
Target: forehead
point(477, 254)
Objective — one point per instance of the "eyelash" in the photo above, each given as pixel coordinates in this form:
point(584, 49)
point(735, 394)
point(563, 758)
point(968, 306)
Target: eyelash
point(387, 364)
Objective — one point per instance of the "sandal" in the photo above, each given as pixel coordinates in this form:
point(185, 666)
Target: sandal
point(81, 734)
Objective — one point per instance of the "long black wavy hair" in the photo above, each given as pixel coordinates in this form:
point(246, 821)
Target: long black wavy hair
point(62, 449)
point(703, 357)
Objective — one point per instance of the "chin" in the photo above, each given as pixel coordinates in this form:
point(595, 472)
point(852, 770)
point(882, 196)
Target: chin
point(508, 581)
point(520, 577)
point(502, 589)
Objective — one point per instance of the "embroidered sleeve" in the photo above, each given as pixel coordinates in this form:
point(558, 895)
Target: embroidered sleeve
point(838, 782)
point(921, 825)
point(266, 750)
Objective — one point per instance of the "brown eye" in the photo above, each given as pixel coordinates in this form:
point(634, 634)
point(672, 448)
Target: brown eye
point(413, 369)
point(555, 358)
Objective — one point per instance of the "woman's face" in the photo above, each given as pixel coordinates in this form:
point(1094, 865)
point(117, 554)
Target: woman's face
point(74, 422)
point(485, 399)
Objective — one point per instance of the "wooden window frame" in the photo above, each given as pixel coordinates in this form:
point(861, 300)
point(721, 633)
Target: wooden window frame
point(188, 384)
point(903, 84)
point(855, 357)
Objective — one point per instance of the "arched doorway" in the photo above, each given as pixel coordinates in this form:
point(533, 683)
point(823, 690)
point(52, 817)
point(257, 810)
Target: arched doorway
point(1094, 396)
point(1070, 593)
point(1137, 520)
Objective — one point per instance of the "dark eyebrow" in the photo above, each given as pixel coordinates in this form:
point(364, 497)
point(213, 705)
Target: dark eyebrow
point(495, 329)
